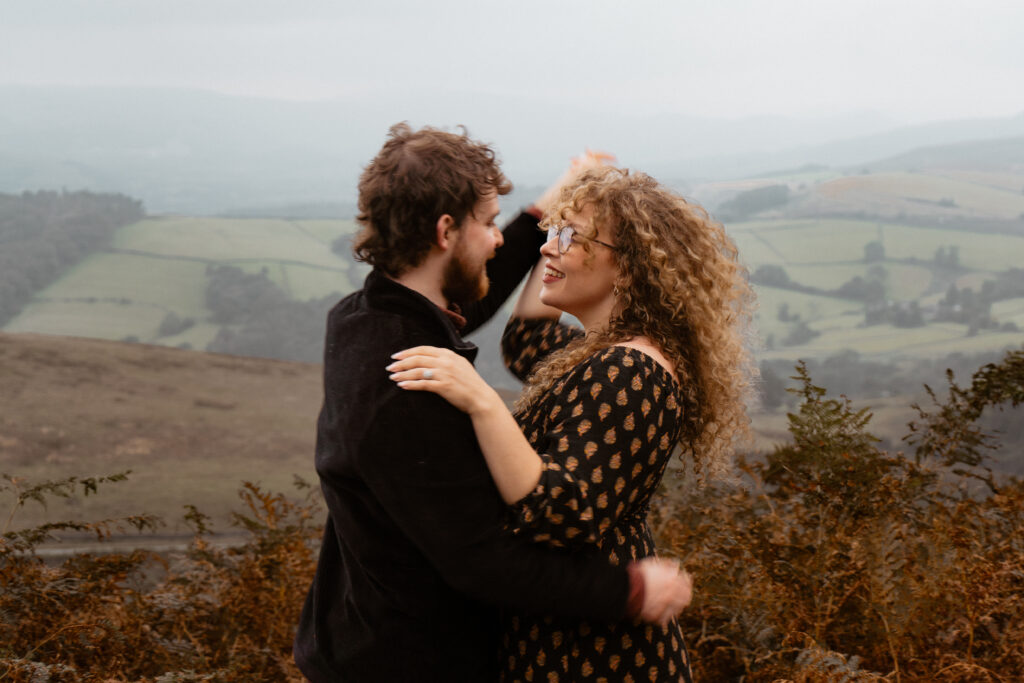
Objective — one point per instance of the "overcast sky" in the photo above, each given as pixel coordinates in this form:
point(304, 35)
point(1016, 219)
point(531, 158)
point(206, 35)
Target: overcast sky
point(911, 60)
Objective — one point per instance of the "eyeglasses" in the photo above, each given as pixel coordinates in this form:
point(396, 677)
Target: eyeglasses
point(565, 233)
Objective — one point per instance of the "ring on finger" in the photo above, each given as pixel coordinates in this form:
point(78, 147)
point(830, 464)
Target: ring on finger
point(428, 374)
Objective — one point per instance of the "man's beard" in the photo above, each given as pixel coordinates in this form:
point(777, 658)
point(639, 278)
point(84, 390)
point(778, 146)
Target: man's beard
point(464, 282)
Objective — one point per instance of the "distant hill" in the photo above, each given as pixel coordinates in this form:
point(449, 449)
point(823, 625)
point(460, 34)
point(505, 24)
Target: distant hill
point(987, 158)
point(1000, 155)
point(196, 152)
point(937, 194)
point(849, 151)
point(861, 149)
point(970, 185)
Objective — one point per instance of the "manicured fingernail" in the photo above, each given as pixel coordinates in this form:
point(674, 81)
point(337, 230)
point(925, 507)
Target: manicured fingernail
point(396, 354)
point(389, 366)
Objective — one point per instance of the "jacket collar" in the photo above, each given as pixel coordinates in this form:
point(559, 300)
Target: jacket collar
point(384, 293)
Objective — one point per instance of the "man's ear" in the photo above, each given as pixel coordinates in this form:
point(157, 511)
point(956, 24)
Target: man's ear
point(445, 232)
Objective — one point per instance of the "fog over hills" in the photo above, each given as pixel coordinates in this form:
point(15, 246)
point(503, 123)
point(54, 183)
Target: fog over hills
point(192, 151)
point(1002, 154)
point(856, 151)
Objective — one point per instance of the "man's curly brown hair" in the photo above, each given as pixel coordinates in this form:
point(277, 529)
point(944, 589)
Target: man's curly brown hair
point(417, 177)
point(680, 285)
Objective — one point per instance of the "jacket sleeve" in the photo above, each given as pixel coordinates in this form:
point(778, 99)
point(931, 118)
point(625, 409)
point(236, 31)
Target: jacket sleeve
point(506, 270)
point(608, 443)
point(423, 464)
point(527, 341)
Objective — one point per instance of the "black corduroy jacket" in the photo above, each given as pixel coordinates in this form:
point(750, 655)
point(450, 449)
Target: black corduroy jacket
point(415, 561)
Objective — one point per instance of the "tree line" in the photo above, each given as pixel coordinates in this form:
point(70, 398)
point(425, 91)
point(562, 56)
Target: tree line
point(258, 318)
point(959, 305)
point(42, 234)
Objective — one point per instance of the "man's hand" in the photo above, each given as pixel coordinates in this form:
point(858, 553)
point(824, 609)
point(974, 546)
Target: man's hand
point(667, 589)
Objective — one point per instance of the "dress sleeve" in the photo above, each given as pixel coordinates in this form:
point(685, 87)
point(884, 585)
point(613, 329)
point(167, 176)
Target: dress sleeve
point(527, 341)
point(608, 442)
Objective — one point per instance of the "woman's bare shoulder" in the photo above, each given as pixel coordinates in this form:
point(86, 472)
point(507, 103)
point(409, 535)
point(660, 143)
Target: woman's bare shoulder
point(644, 345)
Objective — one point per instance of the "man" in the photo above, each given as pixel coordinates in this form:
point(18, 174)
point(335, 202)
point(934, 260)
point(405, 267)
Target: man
point(415, 560)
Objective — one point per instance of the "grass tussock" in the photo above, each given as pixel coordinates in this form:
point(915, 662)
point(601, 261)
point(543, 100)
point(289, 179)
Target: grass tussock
point(830, 560)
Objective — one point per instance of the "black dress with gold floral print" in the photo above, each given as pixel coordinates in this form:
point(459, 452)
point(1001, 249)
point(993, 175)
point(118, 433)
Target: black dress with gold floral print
point(605, 433)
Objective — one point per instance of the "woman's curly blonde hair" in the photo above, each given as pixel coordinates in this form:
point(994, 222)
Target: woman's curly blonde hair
point(680, 285)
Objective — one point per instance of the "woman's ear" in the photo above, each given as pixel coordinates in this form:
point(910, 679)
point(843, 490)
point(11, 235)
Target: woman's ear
point(445, 232)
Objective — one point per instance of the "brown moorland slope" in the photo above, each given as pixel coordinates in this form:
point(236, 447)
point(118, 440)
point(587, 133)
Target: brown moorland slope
point(190, 425)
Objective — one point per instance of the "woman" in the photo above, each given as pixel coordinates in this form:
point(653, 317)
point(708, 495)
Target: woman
point(660, 363)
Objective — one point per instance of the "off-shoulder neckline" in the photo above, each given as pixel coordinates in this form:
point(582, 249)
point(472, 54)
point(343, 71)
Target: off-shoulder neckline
point(651, 360)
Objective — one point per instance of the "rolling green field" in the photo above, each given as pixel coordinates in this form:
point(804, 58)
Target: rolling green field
point(836, 241)
point(234, 239)
point(825, 253)
point(158, 266)
point(791, 242)
point(809, 307)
